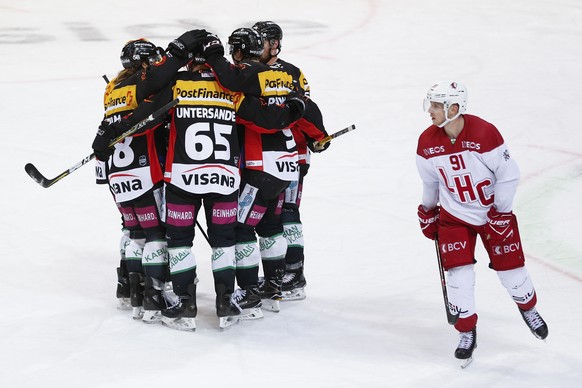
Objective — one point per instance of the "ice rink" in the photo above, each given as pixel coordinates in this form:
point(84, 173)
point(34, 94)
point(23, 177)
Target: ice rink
point(374, 313)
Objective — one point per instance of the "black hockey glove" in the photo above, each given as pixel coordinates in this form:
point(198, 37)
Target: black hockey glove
point(296, 104)
point(185, 45)
point(105, 134)
point(211, 45)
point(318, 146)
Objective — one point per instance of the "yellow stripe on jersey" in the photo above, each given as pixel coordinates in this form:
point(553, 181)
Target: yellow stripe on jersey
point(275, 83)
point(117, 100)
point(204, 93)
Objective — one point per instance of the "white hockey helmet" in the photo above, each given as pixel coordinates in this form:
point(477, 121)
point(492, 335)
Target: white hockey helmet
point(447, 93)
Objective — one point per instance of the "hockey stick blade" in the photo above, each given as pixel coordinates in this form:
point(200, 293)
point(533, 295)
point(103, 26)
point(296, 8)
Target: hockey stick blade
point(327, 139)
point(33, 172)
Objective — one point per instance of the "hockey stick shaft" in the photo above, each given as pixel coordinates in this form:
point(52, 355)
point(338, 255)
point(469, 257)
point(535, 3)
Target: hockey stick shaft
point(451, 318)
point(327, 139)
point(33, 172)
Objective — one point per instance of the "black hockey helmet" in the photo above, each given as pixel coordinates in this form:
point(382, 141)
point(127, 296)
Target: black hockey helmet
point(247, 40)
point(136, 51)
point(269, 30)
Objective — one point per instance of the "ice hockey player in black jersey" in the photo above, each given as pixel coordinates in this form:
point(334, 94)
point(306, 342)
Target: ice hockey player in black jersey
point(306, 138)
point(270, 162)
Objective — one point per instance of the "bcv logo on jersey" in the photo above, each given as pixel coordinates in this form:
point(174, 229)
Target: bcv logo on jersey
point(505, 249)
point(453, 246)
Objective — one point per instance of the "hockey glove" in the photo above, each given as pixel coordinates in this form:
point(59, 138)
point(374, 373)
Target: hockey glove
point(499, 226)
point(428, 221)
point(211, 45)
point(319, 146)
point(296, 104)
point(103, 138)
point(185, 45)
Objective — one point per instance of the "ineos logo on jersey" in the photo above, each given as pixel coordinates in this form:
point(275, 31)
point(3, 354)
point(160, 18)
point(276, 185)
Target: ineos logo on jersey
point(471, 145)
point(434, 150)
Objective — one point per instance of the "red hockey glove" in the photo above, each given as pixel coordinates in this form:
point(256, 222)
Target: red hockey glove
point(499, 225)
point(428, 221)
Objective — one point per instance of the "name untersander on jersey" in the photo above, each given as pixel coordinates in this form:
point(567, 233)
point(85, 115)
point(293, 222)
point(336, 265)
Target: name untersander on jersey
point(194, 112)
point(204, 178)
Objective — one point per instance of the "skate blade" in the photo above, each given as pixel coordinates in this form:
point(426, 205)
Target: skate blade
point(182, 324)
point(296, 294)
point(250, 314)
point(466, 362)
point(152, 316)
point(124, 304)
point(271, 305)
point(137, 313)
point(224, 323)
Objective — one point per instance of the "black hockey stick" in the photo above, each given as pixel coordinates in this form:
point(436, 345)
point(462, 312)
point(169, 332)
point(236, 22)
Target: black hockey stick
point(451, 318)
point(322, 142)
point(33, 172)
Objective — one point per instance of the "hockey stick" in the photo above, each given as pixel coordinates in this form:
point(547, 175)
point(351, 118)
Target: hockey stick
point(451, 318)
point(33, 172)
point(327, 139)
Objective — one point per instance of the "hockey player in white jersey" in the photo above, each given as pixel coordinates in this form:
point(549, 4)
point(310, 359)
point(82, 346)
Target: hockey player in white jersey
point(469, 183)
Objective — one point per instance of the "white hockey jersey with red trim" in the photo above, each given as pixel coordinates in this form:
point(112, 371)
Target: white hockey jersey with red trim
point(467, 176)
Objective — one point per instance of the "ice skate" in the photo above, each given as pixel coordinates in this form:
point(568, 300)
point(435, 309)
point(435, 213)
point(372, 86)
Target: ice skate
point(136, 294)
point(181, 316)
point(293, 287)
point(467, 343)
point(122, 292)
point(270, 293)
point(153, 300)
point(227, 312)
point(248, 302)
point(536, 324)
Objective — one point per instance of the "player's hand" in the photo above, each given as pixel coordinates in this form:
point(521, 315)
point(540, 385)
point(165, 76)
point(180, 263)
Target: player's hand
point(499, 225)
point(186, 44)
point(211, 45)
point(103, 138)
point(296, 104)
point(428, 221)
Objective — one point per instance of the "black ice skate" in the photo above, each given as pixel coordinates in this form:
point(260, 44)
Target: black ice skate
point(181, 316)
point(293, 287)
point(467, 343)
point(248, 301)
point(122, 293)
point(153, 300)
point(271, 293)
point(136, 294)
point(536, 324)
point(227, 312)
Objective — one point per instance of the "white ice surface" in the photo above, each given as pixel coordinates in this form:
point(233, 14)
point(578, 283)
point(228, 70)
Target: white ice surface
point(374, 315)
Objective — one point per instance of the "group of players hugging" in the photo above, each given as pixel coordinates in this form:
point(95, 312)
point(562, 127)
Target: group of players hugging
point(235, 142)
